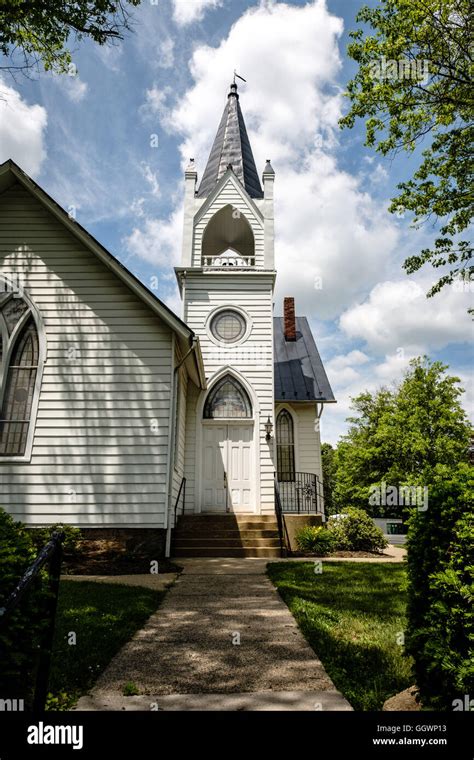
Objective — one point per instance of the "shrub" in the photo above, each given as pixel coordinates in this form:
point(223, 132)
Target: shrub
point(315, 539)
point(21, 639)
point(356, 531)
point(72, 536)
point(440, 632)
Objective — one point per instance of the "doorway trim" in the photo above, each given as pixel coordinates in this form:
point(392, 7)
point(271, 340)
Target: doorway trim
point(199, 432)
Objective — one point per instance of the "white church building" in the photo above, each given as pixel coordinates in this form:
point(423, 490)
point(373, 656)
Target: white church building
point(121, 418)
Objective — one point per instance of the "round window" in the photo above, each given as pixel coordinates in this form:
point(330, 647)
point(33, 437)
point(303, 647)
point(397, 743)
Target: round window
point(228, 326)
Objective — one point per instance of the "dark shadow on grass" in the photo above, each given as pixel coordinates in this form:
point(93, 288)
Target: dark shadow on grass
point(100, 618)
point(336, 604)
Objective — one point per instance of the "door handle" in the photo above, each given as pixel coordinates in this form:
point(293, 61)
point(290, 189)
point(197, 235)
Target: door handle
point(225, 479)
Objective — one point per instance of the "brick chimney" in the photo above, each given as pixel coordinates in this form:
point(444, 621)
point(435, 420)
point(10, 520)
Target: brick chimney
point(289, 318)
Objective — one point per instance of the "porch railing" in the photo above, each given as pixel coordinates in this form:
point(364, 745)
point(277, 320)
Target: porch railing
point(282, 532)
point(181, 496)
point(300, 493)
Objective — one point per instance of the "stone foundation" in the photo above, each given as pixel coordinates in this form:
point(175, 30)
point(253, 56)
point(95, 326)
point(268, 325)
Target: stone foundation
point(130, 540)
point(117, 550)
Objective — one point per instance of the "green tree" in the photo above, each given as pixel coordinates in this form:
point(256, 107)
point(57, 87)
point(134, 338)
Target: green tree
point(329, 471)
point(366, 455)
point(34, 31)
point(440, 631)
point(414, 83)
point(400, 435)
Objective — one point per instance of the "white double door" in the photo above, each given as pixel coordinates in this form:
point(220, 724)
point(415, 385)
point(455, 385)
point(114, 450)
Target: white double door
point(228, 467)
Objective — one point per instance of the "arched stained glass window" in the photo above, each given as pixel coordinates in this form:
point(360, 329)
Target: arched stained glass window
point(285, 444)
point(227, 399)
point(19, 356)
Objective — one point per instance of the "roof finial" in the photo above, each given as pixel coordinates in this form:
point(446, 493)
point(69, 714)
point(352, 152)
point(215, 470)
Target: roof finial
point(238, 77)
point(233, 86)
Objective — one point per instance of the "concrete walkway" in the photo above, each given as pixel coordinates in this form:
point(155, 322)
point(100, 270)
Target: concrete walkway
point(222, 640)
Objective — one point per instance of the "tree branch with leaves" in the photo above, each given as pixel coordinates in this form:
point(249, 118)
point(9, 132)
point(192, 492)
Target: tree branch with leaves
point(37, 32)
point(434, 102)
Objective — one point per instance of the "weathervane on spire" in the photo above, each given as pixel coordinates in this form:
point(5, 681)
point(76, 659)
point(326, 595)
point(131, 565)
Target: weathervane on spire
point(238, 77)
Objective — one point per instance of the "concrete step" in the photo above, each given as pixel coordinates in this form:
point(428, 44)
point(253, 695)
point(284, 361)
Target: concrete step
point(228, 517)
point(223, 524)
point(219, 551)
point(225, 534)
point(308, 701)
point(211, 540)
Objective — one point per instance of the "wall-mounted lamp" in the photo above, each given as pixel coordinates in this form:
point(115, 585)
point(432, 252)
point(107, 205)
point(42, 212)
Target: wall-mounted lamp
point(268, 429)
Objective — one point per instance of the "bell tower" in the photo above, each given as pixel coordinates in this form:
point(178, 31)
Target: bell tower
point(226, 280)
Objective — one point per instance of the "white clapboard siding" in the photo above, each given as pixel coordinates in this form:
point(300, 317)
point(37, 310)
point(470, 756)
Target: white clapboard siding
point(253, 359)
point(180, 433)
point(229, 195)
point(100, 450)
point(308, 444)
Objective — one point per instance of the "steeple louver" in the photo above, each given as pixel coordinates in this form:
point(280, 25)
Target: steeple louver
point(231, 148)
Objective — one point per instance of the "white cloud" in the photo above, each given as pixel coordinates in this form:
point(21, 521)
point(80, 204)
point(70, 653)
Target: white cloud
point(73, 87)
point(291, 105)
point(166, 54)
point(110, 55)
point(156, 104)
point(22, 130)
point(189, 11)
point(350, 375)
point(158, 241)
point(397, 314)
point(347, 360)
point(151, 177)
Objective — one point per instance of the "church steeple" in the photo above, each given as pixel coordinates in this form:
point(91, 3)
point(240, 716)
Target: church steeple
point(231, 147)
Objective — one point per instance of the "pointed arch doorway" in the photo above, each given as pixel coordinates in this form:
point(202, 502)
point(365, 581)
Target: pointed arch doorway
point(228, 458)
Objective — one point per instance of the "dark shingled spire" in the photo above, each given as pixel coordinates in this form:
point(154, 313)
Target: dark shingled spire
point(231, 147)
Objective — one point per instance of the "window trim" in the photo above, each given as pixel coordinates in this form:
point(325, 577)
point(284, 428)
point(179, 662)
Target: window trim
point(294, 421)
point(32, 312)
point(226, 377)
point(213, 326)
point(228, 307)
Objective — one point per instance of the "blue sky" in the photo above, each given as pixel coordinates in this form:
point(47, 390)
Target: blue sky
point(90, 141)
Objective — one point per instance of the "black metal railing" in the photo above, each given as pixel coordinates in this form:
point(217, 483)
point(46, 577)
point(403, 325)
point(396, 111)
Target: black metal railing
point(282, 531)
point(301, 492)
point(181, 495)
point(52, 553)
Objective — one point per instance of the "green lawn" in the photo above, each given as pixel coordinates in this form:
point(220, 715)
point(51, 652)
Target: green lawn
point(352, 615)
point(103, 617)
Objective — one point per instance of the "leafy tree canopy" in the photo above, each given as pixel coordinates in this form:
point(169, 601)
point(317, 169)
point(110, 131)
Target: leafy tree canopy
point(34, 31)
point(414, 81)
point(399, 436)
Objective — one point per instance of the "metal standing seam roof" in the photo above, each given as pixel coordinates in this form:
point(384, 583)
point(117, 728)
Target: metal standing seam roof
point(231, 147)
point(299, 371)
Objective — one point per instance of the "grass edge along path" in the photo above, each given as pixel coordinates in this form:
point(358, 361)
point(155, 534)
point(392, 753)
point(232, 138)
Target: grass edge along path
point(353, 616)
point(93, 622)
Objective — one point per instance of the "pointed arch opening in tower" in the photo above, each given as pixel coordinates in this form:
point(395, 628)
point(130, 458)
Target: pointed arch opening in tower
point(228, 240)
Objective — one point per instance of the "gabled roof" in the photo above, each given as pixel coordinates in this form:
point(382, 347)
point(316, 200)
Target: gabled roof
point(299, 371)
point(231, 147)
point(11, 173)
